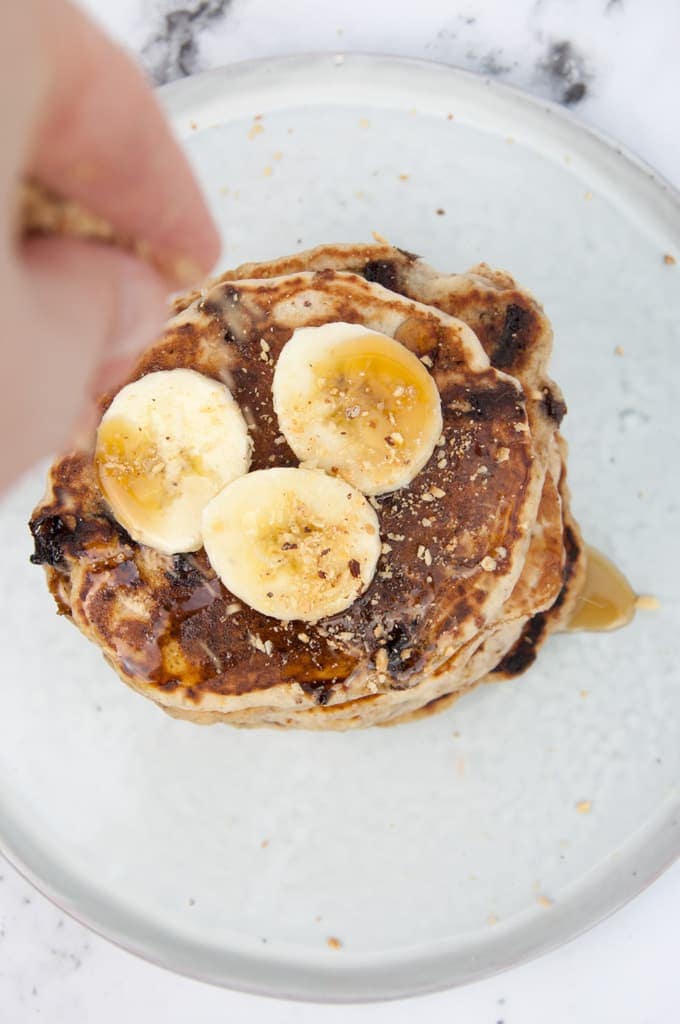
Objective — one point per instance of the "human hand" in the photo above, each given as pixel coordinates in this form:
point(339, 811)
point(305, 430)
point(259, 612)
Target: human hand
point(79, 118)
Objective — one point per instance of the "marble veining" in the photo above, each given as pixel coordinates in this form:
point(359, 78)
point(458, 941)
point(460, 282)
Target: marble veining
point(173, 48)
point(566, 71)
point(171, 51)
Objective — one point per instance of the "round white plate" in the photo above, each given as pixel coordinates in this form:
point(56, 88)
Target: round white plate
point(447, 849)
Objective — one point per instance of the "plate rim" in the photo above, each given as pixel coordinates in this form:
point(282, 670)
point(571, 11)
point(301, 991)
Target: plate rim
point(338, 976)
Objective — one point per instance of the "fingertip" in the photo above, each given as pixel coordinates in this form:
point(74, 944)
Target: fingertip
point(87, 309)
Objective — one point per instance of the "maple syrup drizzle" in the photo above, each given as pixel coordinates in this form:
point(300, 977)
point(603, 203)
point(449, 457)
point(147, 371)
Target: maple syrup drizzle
point(607, 600)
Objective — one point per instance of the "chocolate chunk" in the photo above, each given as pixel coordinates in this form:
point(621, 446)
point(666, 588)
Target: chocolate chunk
point(555, 407)
point(517, 321)
point(382, 272)
point(523, 654)
point(49, 535)
point(398, 640)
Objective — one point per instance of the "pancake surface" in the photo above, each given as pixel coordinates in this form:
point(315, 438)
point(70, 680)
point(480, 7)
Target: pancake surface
point(473, 549)
point(517, 337)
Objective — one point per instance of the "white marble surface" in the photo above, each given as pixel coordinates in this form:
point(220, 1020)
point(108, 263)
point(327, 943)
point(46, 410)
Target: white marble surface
point(615, 62)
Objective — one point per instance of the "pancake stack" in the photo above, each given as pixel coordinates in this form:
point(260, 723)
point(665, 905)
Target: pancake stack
point(451, 559)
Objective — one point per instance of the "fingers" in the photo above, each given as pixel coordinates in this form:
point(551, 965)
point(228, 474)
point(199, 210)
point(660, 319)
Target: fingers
point(80, 312)
point(23, 83)
point(102, 140)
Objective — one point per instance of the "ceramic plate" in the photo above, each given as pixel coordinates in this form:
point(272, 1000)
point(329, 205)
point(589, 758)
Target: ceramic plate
point(392, 861)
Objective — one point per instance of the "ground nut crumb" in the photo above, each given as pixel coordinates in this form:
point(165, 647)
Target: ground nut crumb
point(488, 563)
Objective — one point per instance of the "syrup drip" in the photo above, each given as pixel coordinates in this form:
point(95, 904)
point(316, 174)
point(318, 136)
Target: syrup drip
point(607, 600)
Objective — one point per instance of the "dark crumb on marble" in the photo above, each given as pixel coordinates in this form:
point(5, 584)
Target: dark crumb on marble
point(633, 415)
point(191, 901)
point(493, 65)
point(263, 940)
point(34, 991)
point(575, 93)
point(172, 51)
point(62, 954)
point(565, 68)
point(612, 4)
point(440, 212)
point(26, 900)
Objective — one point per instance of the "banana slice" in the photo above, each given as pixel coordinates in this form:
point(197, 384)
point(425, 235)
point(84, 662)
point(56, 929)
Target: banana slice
point(358, 404)
point(292, 543)
point(166, 445)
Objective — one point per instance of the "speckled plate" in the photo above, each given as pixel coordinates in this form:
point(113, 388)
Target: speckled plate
point(389, 862)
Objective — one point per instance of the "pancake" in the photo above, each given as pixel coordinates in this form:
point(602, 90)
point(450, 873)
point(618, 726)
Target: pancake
point(123, 594)
point(517, 337)
point(474, 551)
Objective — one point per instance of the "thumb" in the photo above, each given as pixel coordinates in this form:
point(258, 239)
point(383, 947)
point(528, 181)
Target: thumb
point(78, 308)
